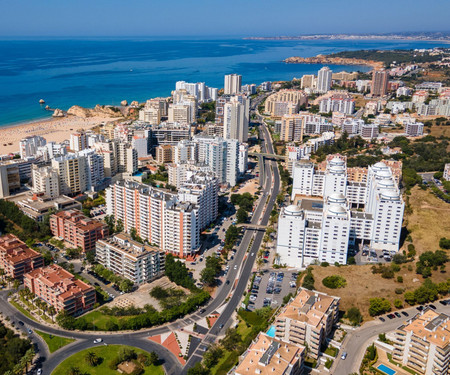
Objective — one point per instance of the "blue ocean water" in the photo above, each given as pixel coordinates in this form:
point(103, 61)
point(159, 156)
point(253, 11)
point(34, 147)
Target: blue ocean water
point(87, 72)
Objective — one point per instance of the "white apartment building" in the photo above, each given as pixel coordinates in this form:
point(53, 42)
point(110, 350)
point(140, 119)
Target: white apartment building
point(45, 180)
point(181, 113)
point(152, 115)
point(95, 173)
point(446, 174)
point(126, 158)
point(236, 119)
point(321, 228)
point(202, 190)
point(158, 103)
point(324, 79)
point(159, 217)
point(232, 84)
point(199, 90)
point(29, 146)
point(139, 263)
point(243, 158)
point(71, 170)
point(78, 141)
point(179, 173)
point(414, 129)
point(345, 105)
point(352, 126)
point(369, 131)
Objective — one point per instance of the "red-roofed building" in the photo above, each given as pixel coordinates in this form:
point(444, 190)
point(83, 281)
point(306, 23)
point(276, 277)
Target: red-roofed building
point(60, 289)
point(16, 258)
point(77, 230)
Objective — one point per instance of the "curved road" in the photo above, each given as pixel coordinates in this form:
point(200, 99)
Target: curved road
point(238, 282)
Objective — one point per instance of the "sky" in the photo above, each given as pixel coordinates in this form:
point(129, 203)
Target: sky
point(56, 18)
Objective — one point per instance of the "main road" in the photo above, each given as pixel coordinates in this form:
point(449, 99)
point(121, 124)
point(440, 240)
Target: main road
point(228, 293)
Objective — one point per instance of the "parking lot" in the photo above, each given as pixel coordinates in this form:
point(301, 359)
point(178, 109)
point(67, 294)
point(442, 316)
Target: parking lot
point(270, 288)
point(367, 256)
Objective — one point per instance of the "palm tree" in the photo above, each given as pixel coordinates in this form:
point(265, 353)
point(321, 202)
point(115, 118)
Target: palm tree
point(2, 273)
point(16, 284)
point(52, 312)
point(91, 358)
point(74, 371)
point(28, 357)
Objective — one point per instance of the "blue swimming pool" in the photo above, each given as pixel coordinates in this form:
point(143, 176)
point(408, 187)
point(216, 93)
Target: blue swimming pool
point(271, 331)
point(386, 370)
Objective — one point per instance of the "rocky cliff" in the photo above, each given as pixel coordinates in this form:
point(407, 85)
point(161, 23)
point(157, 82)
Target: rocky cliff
point(97, 111)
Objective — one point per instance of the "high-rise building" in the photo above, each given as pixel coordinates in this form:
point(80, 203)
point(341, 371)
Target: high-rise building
point(16, 258)
point(380, 79)
point(29, 146)
point(78, 141)
point(414, 129)
point(324, 78)
point(422, 344)
point(158, 216)
point(329, 217)
point(45, 180)
point(139, 263)
point(9, 178)
point(95, 171)
point(308, 81)
point(60, 289)
point(233, 84)
point(285, 102)
point(71, 169)
point(236, 119)
point(77, 230)
point(151, 115)
point(342, 103)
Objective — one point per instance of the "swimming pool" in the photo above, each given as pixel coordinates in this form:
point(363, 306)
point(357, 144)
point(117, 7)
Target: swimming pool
point(271, 331)
point(386, 370)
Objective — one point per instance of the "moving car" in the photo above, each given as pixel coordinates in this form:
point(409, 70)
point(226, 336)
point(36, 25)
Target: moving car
point(344, 355)
point(96, 341)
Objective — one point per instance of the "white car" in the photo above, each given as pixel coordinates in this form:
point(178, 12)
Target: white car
point(97, 341)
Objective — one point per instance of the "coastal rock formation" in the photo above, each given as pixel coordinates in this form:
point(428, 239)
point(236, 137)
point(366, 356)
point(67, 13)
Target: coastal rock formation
point(134, 103)
point(58, 113)
point(42, 101)
point(324, 59)
point(97, 111)
point(124, 103)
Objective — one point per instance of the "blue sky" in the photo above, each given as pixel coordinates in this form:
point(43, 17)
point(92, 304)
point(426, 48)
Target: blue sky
point(218, 18)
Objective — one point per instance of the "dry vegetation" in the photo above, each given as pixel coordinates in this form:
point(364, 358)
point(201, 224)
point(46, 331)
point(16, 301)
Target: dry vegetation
point(427, 224)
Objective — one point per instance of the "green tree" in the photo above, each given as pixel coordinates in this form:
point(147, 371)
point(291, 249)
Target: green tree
point(241, 216)
point(126, 285)
point(153, 358)
point(198, 369)
point(91, 359)
point(379, 306)
point(308, 280)
point(354, 315)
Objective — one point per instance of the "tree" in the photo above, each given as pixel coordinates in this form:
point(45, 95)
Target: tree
point(74, 371)
point(153, 358)
point(91, 359)
point(232, 339)
point(398, 303)
point(16, 284)
point(444, 243)
point(90, 257)
point(241, 215)
point(399, 258)
point(119, 226)
point(354, 315)
point(52, 312)
point(308, 280)
point(126, 285)
point(379, 306)
point(212, 356)
point(199, 369)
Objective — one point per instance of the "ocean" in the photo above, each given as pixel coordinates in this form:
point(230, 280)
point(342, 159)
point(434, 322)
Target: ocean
point(86, 72)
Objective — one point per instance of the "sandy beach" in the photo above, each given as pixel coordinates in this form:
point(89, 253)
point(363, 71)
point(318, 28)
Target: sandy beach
point(54, 129)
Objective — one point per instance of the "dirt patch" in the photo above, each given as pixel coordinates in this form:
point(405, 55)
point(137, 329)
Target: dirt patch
point(141, 297)
point(127, 367)
point(426, 224)
point(363, 285)
point(251, 186)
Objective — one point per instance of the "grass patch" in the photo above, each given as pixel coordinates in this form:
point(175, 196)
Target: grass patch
point(22, 310)
point(106, 353)
point(54, 342)
point(331, 350)
point(99, 320)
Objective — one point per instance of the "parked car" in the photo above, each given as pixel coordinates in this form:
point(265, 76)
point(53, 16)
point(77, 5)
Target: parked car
point(397, 314)
point(405, 313)
point(344, 355)
point(382, 319)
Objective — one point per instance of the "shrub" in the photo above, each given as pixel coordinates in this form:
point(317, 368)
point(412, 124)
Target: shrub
point(400, 279)
point(354, 315)
point(308, 280)
point(398, 303)
point(399, 290)
point(334, 282)
point(379, 306)
point(324, 264)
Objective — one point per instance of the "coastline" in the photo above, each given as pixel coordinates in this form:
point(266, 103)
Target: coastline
point(53, 130)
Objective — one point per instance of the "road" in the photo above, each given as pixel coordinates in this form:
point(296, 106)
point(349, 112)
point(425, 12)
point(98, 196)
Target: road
point(238, 278)
point(356, 342)
point(248, 259)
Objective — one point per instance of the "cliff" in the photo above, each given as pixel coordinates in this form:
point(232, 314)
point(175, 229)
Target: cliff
point(98, 111)
point(327, 60)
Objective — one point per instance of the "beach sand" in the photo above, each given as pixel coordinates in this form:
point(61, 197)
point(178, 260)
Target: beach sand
point(54, 129)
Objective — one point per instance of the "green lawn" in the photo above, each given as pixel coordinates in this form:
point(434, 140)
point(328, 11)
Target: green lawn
point(99, 319)
point(54, 342)
point(22, 310)
point(107, 353)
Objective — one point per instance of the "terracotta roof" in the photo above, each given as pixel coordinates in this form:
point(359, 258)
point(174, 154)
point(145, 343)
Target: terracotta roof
point(15, 251)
